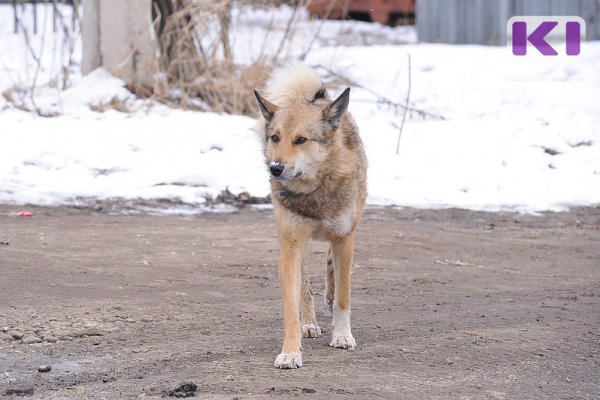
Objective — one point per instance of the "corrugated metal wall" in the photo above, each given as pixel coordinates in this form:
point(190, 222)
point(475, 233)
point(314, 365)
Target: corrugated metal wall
point(484, 21)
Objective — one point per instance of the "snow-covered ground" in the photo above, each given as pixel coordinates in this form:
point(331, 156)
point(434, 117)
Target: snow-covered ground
point(517, 133)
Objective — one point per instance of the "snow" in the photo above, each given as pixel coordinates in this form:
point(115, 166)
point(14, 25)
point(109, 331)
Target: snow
point(518, 133)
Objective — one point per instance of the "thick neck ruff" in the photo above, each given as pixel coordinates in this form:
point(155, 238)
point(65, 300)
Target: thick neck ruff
point(326, 201)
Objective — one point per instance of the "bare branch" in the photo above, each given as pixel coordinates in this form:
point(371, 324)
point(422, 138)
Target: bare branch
point(381, 99)
point(406, 105)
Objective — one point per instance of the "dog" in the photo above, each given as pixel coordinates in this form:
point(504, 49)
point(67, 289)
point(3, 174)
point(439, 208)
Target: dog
point(318, 168)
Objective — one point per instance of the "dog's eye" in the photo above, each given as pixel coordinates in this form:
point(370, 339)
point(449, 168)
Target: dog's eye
point(275, 138)
point(300, 140)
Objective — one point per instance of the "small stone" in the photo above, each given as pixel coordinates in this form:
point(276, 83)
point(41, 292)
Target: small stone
point(17, 334)
point(92, 332)
point(184, 390)
point(50, 339)
point(44, 368)
point(5, 337)
point(19, 391)
point(31, 339)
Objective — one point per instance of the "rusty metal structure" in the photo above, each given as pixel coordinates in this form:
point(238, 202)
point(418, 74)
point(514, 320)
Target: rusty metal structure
point(387, 12)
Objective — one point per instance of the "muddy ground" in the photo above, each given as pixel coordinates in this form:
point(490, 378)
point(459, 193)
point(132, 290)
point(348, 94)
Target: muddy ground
point(446, 304)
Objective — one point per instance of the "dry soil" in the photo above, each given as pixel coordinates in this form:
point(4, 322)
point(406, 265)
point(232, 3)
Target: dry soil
point(446, 304)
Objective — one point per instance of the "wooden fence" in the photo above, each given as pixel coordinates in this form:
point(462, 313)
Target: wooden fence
point(484, 21)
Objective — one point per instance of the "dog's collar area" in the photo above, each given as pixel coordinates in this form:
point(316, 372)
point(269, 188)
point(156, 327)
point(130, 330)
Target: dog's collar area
point(287, 193)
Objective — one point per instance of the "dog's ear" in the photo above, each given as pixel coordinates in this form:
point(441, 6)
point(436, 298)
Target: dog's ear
point(267, 108)
point(334, 112)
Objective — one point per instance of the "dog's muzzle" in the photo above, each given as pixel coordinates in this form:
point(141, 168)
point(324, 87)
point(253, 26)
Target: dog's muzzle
point(276, 169)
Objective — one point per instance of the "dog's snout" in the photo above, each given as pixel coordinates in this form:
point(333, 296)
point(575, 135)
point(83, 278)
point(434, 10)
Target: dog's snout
point(276, 169)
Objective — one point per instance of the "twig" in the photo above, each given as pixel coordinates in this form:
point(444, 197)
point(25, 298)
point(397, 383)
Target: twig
point(405, 106)
point(225, 21)
point(316, 36)
point(27, 40)
point(268, 31)
point(287, 34)
point(39, 64)
point(382, 99)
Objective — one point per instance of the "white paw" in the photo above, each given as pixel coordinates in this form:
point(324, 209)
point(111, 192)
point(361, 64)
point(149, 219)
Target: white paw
point(288, 360)
point(311, 330)
point(343, 342)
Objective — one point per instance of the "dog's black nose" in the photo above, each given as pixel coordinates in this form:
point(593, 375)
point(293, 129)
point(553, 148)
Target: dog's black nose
point(276, 169)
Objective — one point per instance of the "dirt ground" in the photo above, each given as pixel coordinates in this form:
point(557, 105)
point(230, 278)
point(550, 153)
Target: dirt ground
point(446, 304)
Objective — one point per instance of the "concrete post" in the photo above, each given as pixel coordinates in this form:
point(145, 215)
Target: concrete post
point(124, 40)
point(90, 36)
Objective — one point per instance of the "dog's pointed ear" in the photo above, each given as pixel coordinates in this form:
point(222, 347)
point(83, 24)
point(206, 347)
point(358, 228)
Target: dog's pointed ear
point(267, 108)
point(334, 112)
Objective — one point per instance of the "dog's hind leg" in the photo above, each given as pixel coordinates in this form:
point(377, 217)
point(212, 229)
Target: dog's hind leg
point(310, 328)
point(343, 252)
point(329, 282)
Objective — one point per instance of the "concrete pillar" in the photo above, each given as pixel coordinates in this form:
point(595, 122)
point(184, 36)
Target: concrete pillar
point(125, 39)
point(90, 36)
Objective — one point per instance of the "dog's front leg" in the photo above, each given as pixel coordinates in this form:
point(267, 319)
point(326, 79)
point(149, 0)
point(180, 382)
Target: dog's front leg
point(343, 252)
point(290, 264)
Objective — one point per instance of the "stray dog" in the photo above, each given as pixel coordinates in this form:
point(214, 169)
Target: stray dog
point(318, 188)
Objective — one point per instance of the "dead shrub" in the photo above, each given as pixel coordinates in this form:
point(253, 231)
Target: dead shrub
point(196, 64)
point(114, 104)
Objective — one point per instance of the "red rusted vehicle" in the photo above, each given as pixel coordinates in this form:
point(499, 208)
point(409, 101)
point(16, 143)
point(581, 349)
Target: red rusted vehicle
point(382, 11)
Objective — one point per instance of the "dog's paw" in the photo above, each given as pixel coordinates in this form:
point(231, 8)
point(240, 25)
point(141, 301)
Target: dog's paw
point(343, 342)
point(311, 330)
point(288, 360)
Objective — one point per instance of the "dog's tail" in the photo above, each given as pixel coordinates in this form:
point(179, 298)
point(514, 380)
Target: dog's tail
point(294, 83)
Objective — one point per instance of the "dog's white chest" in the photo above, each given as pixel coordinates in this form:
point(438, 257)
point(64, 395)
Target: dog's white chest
point(341, 225)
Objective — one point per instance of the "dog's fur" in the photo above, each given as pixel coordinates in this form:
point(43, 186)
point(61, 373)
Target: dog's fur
point(313, 143)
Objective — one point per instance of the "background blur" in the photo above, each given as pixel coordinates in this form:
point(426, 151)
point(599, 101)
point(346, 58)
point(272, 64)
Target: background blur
point(149, 102)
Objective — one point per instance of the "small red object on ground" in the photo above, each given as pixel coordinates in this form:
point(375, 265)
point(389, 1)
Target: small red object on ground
point(25, 214)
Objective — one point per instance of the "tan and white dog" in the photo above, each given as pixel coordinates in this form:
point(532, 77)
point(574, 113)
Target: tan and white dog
point(318, 187)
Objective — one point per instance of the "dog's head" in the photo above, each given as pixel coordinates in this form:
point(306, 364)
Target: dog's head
point(298, 137)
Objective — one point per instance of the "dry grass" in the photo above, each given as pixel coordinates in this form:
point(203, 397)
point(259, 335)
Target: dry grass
point(196, 60)
point(113, 104)
point(60, 45)
point(195, 67)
